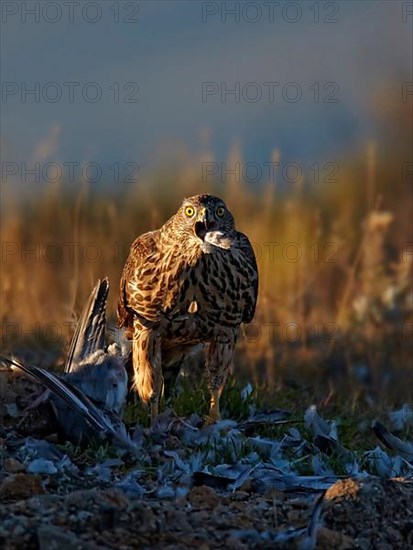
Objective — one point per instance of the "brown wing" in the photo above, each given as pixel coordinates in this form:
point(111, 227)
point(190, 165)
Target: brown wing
point(251, 274)
point(138, 276)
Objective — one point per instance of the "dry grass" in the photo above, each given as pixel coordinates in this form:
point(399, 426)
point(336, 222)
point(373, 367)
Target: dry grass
point(334, 261)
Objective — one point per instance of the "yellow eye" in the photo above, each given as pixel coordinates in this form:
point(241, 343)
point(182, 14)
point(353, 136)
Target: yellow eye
point(189, 211)
point(220, 211)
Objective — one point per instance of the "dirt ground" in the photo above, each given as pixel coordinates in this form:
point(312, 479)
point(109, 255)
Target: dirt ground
point(370, 514)
point(79, 505)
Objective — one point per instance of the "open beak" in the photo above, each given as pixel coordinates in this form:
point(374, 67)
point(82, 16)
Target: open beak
point(201, 225)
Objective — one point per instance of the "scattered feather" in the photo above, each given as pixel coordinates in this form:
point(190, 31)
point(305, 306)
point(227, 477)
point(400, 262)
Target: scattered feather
point(403, 448)
point(402, 418)
point(271, 417)
point(310, 540)
point(319, 426)
point(247, 392)
point(42, 466)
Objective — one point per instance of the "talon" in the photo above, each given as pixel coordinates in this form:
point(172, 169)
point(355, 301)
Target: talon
point(211, 419)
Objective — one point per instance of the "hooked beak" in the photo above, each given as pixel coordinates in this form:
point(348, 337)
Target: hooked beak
point(203, 224)
point(202, 215)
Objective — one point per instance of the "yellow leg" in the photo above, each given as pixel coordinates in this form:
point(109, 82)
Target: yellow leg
point(154, 408)
point(158, 391)
point(218, 360)
point(214, 412)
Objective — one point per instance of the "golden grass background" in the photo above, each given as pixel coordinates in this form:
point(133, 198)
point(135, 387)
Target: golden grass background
point(350, 289)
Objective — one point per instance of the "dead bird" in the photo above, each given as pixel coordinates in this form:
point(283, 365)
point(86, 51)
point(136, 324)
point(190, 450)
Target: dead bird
point(99, 372)
point(88, 400)
point(78, 416)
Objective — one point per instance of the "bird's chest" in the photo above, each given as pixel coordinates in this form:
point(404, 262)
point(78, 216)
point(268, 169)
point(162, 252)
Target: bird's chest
point(207, 296)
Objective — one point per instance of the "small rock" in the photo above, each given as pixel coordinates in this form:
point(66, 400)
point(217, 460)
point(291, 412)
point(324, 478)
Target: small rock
point(327, 538)
point(203, 497)
point(13, 466)
point(12, 410)
point(296, 518)
point(20, 486)
point(165, 491)
point(236, 544)
point(51, 537)
point(343, 488)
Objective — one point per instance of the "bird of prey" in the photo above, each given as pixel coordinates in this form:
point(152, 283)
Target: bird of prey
point(88, 400)
point(193, 281)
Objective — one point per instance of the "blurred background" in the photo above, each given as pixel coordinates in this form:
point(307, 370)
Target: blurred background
point(298, 114)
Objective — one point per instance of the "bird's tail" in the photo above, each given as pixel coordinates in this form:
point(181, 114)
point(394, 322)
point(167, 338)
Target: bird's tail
point(142, 372)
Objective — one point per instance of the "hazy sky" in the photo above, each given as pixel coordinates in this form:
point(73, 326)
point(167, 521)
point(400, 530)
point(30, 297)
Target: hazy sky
point(324, 77)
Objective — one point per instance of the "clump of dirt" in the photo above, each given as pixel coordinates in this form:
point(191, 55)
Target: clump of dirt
point(375, 513)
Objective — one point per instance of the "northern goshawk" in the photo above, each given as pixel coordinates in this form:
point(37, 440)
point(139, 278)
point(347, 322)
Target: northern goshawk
point(193, 281)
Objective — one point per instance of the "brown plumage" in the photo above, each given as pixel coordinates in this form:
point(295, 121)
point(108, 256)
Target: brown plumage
point(193, 281)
